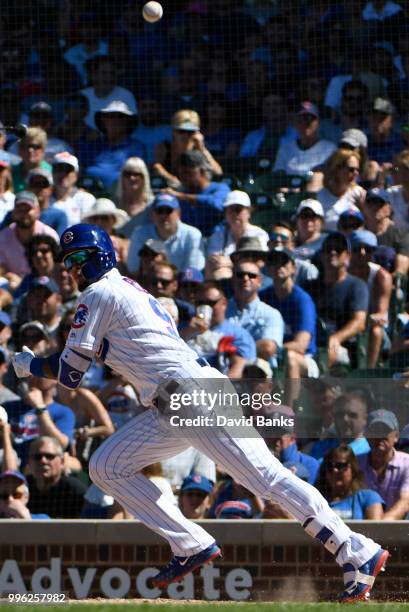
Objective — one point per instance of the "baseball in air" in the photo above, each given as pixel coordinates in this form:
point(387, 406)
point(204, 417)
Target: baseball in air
point(152, 11)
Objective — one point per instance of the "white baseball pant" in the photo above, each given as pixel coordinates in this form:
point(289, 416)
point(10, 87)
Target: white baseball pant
point(149, 437)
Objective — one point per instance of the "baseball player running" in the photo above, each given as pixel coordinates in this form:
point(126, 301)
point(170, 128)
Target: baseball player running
point(127, 328)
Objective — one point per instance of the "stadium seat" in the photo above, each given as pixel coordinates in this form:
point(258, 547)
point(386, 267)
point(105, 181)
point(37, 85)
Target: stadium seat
point(158, 183)
point(230, 180)
point(94, 185)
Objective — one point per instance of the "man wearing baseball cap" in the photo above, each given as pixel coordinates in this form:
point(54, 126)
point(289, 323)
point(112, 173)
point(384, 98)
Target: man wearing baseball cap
point(201, 198)
point(383, 141)
point(40, 181)
point(386, 470)
point(309, 221)
point(66, 195)
point(183, 242)
point(378, 219)
point(43, 303)
point(298, 312)
point(308, 151)
point(14, 237)
point(341, 299)
point(194, 500)
point(282, 441)
point(379, 281)
point(14, 496)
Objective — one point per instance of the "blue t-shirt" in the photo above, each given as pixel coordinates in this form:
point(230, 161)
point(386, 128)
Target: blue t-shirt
point(299, 314)
point(337, 303)
point(354, 506)
point(24, 424)
point(208, 210)
point(320, 447)
point(55, 218)
point(259, 319)
point(293, 455)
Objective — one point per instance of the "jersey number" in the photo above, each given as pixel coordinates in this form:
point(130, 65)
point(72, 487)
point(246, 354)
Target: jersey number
point(165, 316)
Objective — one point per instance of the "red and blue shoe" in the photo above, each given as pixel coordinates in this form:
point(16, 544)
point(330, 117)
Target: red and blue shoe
point(359, 582)
point(179, 567)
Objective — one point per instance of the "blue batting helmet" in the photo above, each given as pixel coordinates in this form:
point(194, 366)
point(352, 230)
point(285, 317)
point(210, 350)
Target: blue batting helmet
point(86, 236)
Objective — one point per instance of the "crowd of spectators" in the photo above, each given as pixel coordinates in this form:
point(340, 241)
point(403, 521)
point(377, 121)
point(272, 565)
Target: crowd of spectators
point(250, 161)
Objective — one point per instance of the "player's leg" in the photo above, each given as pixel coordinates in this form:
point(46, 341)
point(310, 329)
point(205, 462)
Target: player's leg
point(251, 463)
point(115, 468)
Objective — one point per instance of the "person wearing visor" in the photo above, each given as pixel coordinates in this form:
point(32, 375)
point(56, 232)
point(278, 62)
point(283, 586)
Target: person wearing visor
point(379, 282)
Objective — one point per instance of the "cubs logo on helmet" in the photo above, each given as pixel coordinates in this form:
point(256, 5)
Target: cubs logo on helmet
point(81, 316)
point(95, 240)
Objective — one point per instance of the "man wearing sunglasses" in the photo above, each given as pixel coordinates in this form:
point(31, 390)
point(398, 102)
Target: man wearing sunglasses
point(14, 238)
point(298, 312)
point(14, 496)
point(341, 299)
point(283, 236)
point(51, 491)
point(264, 323)
point(225, 343)
point(183, 243)
point(379, 281)
point(134, 335)
point(378, 219)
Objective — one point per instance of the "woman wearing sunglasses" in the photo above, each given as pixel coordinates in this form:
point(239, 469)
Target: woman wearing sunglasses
point(341, 482)
point(341, 190)
point(134, 194)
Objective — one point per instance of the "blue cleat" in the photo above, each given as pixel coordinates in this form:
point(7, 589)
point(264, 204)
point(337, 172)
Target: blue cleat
point(179, 567)
point(359, 582)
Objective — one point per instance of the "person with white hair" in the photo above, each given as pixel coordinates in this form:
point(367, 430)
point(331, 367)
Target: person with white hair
point(134, 194)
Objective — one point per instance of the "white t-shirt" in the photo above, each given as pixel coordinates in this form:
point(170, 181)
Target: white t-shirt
point(221, 241)
point(138, 339)
point(75, 206)
point(334, 206)
point(400, 206)
point(96, 104)
point(294, 160)
point(6, 204)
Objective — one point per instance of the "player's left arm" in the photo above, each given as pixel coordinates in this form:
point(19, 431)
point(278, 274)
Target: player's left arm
point(68, 367)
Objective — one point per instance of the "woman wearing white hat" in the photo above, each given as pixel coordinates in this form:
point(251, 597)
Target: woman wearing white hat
point(106, 215)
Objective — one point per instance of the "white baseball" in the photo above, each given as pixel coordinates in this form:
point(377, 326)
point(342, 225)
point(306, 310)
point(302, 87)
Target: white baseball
point(152, 11)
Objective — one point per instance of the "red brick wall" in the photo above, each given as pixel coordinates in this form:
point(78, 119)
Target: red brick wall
point(281, 570)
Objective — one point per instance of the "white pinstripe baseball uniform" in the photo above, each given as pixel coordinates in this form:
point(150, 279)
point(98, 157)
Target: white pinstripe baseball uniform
point(138, 339)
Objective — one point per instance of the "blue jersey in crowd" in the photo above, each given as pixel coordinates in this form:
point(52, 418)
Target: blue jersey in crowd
point(354, 506)
point(299, 314)
point(25, 428)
